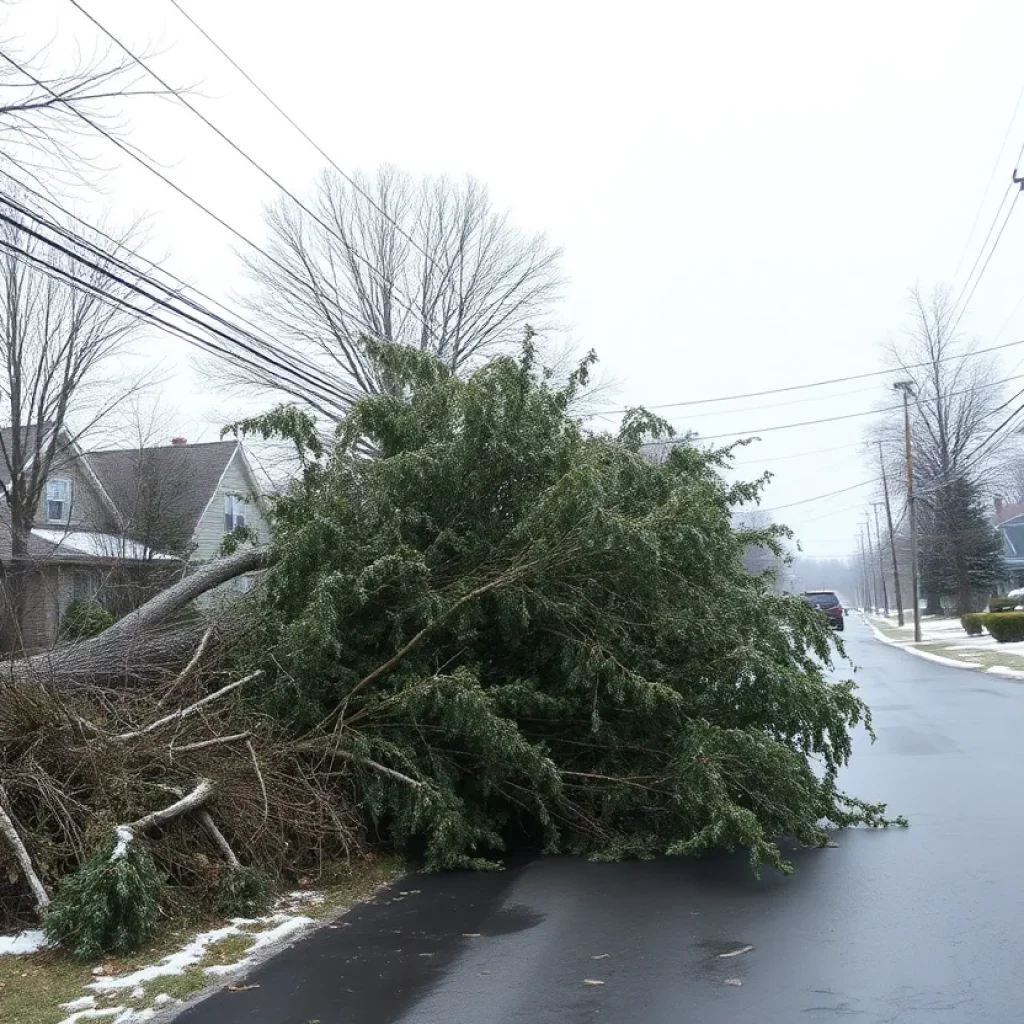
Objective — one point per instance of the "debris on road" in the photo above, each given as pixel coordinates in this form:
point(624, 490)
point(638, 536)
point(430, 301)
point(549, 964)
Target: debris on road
point(735, 952)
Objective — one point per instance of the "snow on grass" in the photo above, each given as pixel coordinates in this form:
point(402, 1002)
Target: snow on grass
point(177, 963)
point(85, 1003)
point(112, 1011)
point(22, 944)
point(276, 929)
point(286, 925)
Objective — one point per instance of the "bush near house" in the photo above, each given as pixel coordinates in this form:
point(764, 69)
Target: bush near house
point(1006, 627)
point(84, 619)
point(973, 623)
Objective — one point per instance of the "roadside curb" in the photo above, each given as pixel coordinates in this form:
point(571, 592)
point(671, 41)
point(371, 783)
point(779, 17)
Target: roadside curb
point(908, 646)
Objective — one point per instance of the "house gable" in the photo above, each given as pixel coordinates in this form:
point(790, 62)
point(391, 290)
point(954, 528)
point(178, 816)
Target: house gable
point(237, 480)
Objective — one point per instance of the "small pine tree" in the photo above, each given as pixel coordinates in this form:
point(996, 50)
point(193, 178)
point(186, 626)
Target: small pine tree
point(110, 905)
point(960, 550)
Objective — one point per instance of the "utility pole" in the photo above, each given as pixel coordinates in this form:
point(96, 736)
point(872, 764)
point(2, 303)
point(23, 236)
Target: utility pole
point(907, 387)
point(875, 594)
point(881, 559)
point(864, 572)
point(869, 576)
point(892, 538)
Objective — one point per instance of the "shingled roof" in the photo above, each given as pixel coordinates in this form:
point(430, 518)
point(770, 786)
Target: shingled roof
point(191, 471)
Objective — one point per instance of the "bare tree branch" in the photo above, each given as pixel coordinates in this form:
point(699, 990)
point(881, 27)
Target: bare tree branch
point(426, 263)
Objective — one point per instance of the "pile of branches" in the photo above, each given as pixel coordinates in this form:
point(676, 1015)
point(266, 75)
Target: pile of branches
point(182, 764)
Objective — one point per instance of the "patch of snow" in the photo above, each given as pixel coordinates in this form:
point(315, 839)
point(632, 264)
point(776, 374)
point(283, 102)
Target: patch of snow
point(22, 944)
point(1009, 673)
point(176, 963)
point(124, 839)
point(92, 1014)
point(135, 1016)
point(85, 1003)
point(139, 993)
point(164, 999)
point(99, 545)
point(285, 927)
point(303, 896)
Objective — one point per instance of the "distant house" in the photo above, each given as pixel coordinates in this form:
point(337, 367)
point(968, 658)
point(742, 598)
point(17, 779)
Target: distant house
point(1009, 521)
point(113, 525)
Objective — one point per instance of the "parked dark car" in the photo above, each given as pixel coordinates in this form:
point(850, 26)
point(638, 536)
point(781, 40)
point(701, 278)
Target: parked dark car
point(828, 602)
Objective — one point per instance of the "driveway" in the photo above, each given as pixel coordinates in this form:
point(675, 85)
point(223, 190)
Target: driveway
point(918, 925)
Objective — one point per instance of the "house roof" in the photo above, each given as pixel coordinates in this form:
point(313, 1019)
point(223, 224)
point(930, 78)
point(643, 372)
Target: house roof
point(191, 471)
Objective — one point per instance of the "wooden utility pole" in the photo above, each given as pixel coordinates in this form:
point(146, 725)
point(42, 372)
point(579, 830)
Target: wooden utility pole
point(907, 387)
point(864, 573)
point(881, 559)
point(869, 567)
point(892, 538)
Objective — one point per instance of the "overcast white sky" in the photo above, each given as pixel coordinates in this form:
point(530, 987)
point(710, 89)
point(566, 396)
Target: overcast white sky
point(744, 192)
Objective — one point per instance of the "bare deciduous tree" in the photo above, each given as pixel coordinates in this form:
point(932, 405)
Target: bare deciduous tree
point(50, 108)
point(429, 263)
point(957, 400)
point(60, 324)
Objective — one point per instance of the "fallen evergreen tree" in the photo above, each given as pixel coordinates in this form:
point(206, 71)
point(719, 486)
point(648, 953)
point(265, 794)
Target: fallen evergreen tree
point(503, 622)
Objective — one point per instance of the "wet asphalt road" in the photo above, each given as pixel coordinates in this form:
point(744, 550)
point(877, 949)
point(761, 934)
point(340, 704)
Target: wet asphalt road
point(917, 925)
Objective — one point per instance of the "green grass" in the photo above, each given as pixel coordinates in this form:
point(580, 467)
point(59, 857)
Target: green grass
point(32, 988)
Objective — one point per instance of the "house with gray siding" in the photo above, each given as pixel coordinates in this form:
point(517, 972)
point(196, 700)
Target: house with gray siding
point(114, 525)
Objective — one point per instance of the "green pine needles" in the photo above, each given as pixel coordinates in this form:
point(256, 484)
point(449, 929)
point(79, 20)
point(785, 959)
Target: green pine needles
point(110, 905)
point(500, 623)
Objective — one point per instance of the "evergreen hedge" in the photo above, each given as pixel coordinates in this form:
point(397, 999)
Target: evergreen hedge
point(1006, 627)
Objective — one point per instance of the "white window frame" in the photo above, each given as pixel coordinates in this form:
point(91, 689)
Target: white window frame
point(236, 511)
point(59, 490)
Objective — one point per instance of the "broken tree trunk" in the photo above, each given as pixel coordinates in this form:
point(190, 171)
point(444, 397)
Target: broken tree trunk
point(21, 855)
point(147, 641)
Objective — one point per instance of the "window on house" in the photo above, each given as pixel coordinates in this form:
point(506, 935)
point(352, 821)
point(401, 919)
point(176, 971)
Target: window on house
point(58, 500)
point(86, 586)
point(235, 510)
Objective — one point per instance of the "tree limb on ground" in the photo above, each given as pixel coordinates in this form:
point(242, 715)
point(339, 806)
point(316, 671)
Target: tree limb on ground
point(144, 641)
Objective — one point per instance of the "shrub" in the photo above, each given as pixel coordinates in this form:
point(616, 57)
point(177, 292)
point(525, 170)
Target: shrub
point(1006, 627)
point(110, 904)
point(972, 623)
point(84, 619)
point(245, 892)
point(1002, 604)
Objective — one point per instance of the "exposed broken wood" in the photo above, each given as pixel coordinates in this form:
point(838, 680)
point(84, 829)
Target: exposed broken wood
point(187, 712)
point(187, 671)
point(206, 820)
point(148, 640)
point(202, 792)
point(10, 833)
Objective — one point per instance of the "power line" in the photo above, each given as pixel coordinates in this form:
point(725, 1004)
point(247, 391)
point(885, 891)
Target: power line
point(152, 264)
point(308, 375)
point(820, 497)
point(984, 266)
point(798, 455)
point(139, 159)
point(325, 391)
point(836, 419)
point(818, 383)
point(352, 181)
point(259, 167)
point(991, 178)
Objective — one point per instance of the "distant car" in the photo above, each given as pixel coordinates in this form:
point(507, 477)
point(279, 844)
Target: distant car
point(828, 602)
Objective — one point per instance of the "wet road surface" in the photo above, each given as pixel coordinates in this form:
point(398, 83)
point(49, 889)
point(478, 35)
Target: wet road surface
point(918, 925)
